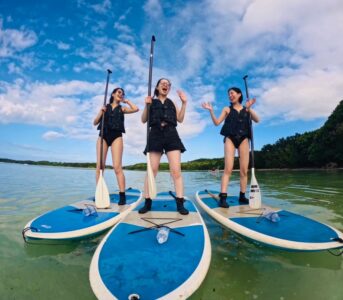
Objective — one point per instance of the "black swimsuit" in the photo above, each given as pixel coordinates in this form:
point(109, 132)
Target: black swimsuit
point(111, 136)
point(236, 126)
point(163, 136)
point(113, 124)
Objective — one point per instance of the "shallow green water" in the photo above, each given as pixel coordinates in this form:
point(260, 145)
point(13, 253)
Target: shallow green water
point(239, 268)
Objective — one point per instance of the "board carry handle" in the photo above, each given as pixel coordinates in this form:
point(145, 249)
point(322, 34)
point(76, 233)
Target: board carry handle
point(33, 229)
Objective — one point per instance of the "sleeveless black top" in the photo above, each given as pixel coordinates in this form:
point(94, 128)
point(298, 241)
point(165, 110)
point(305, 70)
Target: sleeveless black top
point(162, 112)
point(114, 119)
point(236, 123)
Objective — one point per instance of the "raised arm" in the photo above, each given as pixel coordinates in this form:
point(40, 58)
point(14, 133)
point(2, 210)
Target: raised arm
point(224, 113)
point(99, 115)
point(180, 114)
point(131, 109)
point(253, 114)
point(148, 100)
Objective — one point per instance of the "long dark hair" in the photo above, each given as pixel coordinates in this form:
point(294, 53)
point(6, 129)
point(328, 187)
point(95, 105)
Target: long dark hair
point(114, 91)
point(237, 90)
point(158, 82)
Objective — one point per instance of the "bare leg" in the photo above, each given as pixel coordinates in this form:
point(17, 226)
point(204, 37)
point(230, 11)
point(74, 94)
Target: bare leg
point(244, 164)
point(105, 148)
point(174, 158)
point(117, 155)
point(229, 155)
point(155, 158)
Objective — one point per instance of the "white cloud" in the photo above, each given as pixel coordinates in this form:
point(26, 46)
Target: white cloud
point(63, 46)
point(301, 95)
point(102, 7)
point(153, 8)
point(281, 44)
point(52, 135)
point(91, 65)
point(13, 68)
point(49, 66)
point(122, 28)
point(45, 104)
point(13, 41)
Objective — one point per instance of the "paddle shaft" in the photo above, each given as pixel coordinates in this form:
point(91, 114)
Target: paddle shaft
point(103, 121)
point(245, 78)
point(149, 87)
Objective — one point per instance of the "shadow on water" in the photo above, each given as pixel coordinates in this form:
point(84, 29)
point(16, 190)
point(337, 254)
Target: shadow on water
point(78, 247)
point(43, 249)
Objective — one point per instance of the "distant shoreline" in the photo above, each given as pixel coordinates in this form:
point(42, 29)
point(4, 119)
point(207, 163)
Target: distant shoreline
point(91, 166)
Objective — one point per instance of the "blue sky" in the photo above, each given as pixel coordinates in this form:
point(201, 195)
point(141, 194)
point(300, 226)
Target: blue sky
point(54, 56)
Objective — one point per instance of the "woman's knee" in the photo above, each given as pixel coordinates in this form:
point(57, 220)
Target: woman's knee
point(117, 169)
point(154, 170)
point(227, 171)
point(243, 172)
point(175, 173)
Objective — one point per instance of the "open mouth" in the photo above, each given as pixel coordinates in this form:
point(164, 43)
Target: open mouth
point(165, 89)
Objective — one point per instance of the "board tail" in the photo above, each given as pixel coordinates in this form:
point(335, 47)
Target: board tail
point(255, 200)
point(102, 196)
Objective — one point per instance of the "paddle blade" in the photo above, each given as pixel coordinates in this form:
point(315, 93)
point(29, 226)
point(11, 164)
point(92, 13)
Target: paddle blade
point(151, 178)
point(102, 196)
point(255, 200)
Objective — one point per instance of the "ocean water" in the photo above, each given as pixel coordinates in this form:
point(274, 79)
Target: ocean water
point(239, 268)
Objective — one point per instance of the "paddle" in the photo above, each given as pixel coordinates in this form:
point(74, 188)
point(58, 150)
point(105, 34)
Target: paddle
point(150, 174)
point(102, 197)
point(215, 197)
point(255, 193)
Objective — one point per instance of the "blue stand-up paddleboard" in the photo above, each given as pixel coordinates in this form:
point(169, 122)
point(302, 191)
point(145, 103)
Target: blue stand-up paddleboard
point(80, 219)
point(131, 264)
point(289, 231)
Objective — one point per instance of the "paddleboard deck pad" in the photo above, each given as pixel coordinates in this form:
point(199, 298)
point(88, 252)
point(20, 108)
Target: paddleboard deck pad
point(129, 263)
point(291, 232)
point(70, 222)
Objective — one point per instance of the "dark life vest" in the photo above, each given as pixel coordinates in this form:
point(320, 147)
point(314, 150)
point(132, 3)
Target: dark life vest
point(162, 112)
point(236, 123)
point(114, 119)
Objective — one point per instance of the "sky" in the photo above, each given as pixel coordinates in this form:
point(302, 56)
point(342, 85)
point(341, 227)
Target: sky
point(54, 56)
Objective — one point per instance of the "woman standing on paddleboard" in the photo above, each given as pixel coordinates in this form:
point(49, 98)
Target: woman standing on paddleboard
point(113, 130)
point(163, 138)
point(236, 132)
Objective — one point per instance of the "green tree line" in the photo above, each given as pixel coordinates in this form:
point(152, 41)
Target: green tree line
point(51, 163)
point(319, 148)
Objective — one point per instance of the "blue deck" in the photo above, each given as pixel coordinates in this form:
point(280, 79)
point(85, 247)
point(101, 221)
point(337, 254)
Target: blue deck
point(136, 263)
point(66, 219)
point(291, 227)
